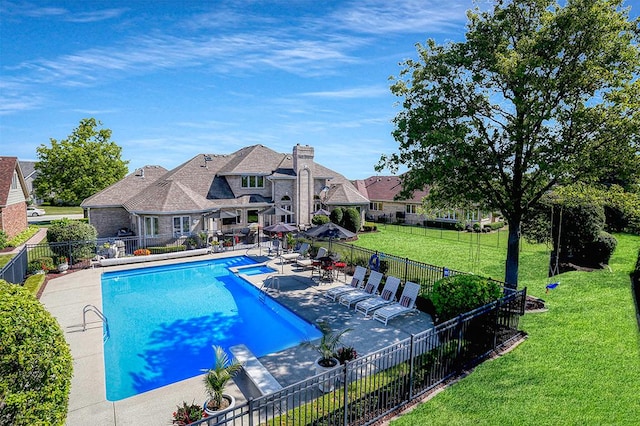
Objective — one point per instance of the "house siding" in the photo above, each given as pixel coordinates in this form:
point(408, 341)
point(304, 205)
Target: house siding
point(14, 218)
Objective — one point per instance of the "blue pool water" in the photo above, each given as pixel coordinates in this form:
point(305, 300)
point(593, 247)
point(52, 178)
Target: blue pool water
point(163, 321)
point(257, 270)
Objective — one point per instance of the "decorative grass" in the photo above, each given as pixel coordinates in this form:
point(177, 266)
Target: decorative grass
point(581, 361)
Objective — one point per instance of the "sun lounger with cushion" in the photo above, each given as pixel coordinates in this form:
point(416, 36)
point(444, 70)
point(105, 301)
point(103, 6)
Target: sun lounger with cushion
point(387, 297)
point(406, 304)
point(356, 282)
point(370, 290)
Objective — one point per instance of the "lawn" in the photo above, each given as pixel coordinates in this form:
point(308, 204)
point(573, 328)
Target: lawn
point(61, 210)
point(581, 361)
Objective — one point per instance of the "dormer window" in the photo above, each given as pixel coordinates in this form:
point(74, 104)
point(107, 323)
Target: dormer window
point(252, 181)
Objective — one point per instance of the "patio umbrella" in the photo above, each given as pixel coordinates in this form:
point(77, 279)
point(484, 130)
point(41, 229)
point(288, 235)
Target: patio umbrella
point(275, 211)
point(321, 212)
point(329, 230)
point(222, 214)
point(280, 228)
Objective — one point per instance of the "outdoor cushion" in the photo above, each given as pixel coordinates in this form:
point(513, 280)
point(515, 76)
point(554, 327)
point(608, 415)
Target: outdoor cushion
point(405, 301)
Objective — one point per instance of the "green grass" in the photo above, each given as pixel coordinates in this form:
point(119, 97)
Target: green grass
point(62, 209)
point(581, 361)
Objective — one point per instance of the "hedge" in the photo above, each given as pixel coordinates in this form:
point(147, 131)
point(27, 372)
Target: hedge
point(452, 296)
point(35, 362)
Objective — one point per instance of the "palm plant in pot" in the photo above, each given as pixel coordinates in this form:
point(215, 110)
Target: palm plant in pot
point(216, 378)
point(326, 347)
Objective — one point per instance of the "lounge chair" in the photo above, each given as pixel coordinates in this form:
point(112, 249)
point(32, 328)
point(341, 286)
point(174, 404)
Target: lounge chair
point(370, 290)
point(289, 257)
point(387, 297)
point(306, 263)
point(406, 304)
point(356, 283)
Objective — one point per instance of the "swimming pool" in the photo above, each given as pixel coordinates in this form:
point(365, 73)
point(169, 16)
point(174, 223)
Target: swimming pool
point(163, 321)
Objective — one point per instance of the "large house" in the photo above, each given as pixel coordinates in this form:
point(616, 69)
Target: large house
point(13, 197)
point(216, 193)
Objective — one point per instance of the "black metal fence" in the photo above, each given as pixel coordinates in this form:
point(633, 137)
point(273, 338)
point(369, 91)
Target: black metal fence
point(366, 389)
point(16, 270)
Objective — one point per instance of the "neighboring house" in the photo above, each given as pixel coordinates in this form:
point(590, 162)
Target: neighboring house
point(13, 197)
point(383, 193)
point(221, 192)
point(30, 173)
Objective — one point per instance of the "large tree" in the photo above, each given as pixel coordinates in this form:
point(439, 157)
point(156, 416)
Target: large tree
point(537, 95)
point(81, 165)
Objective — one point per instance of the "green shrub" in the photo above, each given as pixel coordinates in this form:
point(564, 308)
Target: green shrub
point(452, 296)
point(496, 225)
point(599, 251)
point(66, 230)
point(351, 220)
point(336, 215)
point(320, 219)
point(3, 239)
point(35, 362)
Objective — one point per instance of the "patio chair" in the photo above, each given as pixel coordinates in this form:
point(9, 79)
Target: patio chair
point(406, 304)
point(356, 282)
point(387, 297)
point(289, 257)
point(370, 290)
point(275, 248)
point(306, 263)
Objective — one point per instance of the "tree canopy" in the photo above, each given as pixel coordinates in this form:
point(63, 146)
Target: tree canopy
point(81, 165)
point(538, 94)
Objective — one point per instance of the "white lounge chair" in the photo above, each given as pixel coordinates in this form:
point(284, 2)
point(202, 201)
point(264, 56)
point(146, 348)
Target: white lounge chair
point(288, 257)
point(306, 263)
point(387, 297)
point(356, 282)
point(406, 304)
point(370, 290)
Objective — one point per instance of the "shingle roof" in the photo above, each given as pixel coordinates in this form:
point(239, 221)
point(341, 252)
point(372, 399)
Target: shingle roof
point(386, 188)
point(28, 168)
point(120, 192)
point(200, 183)
point(7, 166)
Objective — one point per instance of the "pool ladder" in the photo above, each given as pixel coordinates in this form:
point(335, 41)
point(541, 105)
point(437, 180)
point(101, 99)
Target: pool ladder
point(271, 282)
point(92, 308)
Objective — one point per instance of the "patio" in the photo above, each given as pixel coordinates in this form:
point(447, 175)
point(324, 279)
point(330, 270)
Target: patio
point(66, 296)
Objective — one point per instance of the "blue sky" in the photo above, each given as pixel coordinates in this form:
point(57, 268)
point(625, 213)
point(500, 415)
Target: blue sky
point(173, 79)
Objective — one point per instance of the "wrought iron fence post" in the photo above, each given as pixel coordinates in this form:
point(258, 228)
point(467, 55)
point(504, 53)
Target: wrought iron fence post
point(411, 367)
point(459, 349)
point(495, 325)
point(251, 403)
point(406, 269)
point(345, 386)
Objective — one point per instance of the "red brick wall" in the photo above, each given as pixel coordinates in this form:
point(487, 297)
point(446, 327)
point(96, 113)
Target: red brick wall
point(14, 219)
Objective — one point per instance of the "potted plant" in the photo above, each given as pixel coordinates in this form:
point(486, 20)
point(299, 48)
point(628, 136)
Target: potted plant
point(326, 347)
point(186, 414)
point(216, 378)
point(345, 354)
point(63, 264)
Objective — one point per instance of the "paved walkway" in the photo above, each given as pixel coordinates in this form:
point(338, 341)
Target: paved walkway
point(65, 297)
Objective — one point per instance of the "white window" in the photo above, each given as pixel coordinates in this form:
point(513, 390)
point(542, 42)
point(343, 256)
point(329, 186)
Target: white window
point(252, 181)
point(375, 206)
point(412, 208)
point(151, 226)
point(286, 204)
point(181, 225)
point(14, 181)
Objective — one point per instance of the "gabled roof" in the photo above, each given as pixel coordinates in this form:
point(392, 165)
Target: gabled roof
point(28, 169)
point(344, 194)
point(200, 184)
point(9, 165)
point(386, 188)
point(120, 192)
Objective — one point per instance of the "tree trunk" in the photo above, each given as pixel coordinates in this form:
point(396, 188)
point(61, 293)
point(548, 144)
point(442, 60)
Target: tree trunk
point(513, 255)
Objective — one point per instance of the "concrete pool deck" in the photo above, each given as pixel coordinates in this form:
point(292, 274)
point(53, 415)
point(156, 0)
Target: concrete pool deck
point(66, 296)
